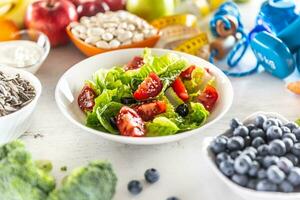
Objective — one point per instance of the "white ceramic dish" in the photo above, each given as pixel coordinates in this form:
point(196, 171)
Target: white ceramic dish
point(15, 124)
point(72, 82)
point(246, 193)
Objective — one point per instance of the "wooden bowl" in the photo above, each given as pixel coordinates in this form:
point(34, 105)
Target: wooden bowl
point(91, 50)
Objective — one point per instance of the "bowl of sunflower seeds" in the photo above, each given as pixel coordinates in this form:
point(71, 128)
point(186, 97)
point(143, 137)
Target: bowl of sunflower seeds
point(19, 94)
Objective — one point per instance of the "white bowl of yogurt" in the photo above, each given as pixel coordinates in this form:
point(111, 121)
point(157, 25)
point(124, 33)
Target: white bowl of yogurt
point(28, 51)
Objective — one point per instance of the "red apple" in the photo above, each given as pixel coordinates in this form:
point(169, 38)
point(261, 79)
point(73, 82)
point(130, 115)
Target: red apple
point(116, 4)
point(51, 17)
point(91, 7)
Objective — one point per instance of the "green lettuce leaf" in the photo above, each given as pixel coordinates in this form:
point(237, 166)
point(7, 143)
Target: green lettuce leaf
point(99, 78)
point(93, 122)
point(105, 113)
point(161, 126)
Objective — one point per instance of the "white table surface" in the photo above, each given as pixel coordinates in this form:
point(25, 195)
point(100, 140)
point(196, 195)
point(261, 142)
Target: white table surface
point(183, 171)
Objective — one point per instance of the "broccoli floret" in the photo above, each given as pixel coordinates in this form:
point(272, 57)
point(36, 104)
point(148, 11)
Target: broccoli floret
point(20, 178)
point(97, 181)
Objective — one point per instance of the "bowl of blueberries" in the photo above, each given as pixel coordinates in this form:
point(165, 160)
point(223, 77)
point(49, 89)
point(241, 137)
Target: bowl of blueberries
point(258, 158)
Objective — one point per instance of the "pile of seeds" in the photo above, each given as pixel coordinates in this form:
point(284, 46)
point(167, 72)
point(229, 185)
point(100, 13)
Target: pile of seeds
point(15, 93)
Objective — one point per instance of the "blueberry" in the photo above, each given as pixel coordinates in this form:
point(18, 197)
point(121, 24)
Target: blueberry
point(151, 175)
point(288, 144)
point(269, 160)
point(285, 164)
point(257, 142)
point(234, 123)
point(286, 186)
point(274, 132)
point(270, 122)
point(262, 173)
point(173, 198)
point(285, 130)
point(219, 144)
point(266, 185)
point(235, 143)
point(259, 159)
point(291, 136)
point(222, 157)
point(296, 132)
point(280, 124)
point(227, 168)
point(291, 125)
point(257, 132)
point(260, 120)
point(294, 159)
point(252, 184)
point(251, 152)
point(277, 148)
point(182, 110)
point(275, 175)
point(263, 150)
point(242, 164)
point(254, 168)
point(241, 131)
point(294, 176)
point(235, 154)
point(241, 180)
point(251, 149)
point(248, 141)
point(135, 187)
point(296, 149)
point(251, 127)
point(128, 100)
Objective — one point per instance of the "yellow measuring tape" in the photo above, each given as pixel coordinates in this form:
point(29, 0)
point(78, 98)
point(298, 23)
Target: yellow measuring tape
point(183, 19)
point(192, 45)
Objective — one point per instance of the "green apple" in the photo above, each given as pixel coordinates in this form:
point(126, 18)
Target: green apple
point(151, 9)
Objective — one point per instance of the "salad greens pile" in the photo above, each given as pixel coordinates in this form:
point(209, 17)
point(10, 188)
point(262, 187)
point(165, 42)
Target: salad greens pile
point(110, 88)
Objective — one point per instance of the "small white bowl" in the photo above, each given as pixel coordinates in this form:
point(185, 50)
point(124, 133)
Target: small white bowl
point(15, 124)
point(245, 193)
point(71, 83)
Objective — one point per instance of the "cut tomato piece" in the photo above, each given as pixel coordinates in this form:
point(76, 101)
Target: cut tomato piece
point(148, 111)
point(180, 89)
point(208, 97)
point(130, 123)
point(149, 88)
point(135, 63)
point(187, 74)
point(86, 98)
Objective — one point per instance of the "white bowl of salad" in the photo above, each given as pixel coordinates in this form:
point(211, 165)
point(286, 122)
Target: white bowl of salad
point(144, 96)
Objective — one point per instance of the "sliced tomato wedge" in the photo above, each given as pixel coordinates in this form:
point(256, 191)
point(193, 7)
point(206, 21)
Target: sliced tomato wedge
point(180, 89)
point(148, 111)
point(149, 88)
point(130, 123)
point(187, 74)
point(86, 98)
point(135, 63)
point(208, 97)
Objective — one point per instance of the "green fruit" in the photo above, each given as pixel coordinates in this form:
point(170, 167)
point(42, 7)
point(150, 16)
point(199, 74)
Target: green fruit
point(151, 9)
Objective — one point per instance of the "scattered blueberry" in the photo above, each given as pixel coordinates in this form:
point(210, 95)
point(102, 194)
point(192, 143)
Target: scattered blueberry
point(294, 159)
point(254, 168)
point(241, 180)
point(241, 131)
point(235, 154)
point(151, 175)
point(277, 148)
point(258, 141)
point(270, 160)
point(182, 110)
point(285, 130)
point(242, 164)
point(235, 143)
point(296, 131)
point(275, 175)
point(291, 136)
point(294, 176)
point(234, 123)
point(285, 164)
point(173, 198)
point(262, 173)
point(291, 125)
point(227, 167)
point(270, 122)
point(218, 145)
point(296, 149)
point(266, 185)
point(135, 187)
point(260, 120)
point(288, 144)
point(274, 132)
point(263, 150)
point(257, 132)
point(286, 186)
